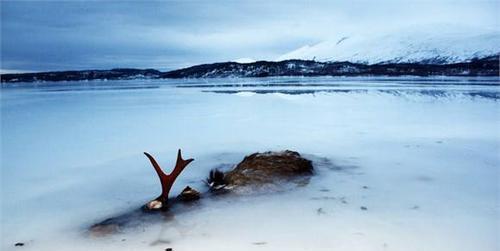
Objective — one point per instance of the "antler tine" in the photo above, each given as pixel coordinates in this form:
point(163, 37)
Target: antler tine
point(180, 164)
point(157, 167)
point(167, 180)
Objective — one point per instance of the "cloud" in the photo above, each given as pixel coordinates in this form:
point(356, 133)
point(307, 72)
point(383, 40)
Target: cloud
point(45, 35)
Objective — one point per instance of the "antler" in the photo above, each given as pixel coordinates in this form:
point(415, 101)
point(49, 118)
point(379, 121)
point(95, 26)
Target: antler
point(167, 180)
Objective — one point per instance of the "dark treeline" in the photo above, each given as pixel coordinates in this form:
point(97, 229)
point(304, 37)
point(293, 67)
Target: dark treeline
point(488, 66)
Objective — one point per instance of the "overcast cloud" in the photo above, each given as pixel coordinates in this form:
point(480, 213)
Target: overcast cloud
point(48, 35)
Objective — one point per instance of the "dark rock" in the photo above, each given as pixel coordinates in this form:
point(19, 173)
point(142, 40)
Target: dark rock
point(364, 208)
point(19, 244)
point(168, 249)
point(268, 167)
point(189, 194)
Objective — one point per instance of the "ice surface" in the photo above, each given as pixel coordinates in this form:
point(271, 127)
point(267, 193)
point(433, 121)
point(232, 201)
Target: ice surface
point(419, 155)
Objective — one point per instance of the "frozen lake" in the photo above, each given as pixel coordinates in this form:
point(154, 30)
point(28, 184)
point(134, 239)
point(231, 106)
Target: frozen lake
point(416, 160)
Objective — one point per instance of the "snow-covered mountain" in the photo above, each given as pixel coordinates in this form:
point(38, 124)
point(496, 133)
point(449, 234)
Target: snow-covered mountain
point(430, 44)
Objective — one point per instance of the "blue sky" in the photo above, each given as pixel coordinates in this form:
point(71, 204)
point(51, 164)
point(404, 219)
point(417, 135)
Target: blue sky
point(63, 35)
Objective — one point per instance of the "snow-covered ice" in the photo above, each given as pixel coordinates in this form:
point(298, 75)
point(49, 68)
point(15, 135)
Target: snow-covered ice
point(413, 163)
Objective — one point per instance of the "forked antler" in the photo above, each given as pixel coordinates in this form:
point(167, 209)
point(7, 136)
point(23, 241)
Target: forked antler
point(167, 180)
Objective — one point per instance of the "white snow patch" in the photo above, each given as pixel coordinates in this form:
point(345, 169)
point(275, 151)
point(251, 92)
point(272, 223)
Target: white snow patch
point(245, 60)
point(245, 94)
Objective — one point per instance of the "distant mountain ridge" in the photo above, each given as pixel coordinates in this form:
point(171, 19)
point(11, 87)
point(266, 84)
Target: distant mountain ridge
point(488, 66)
point(113, 74)
point(430, 44)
